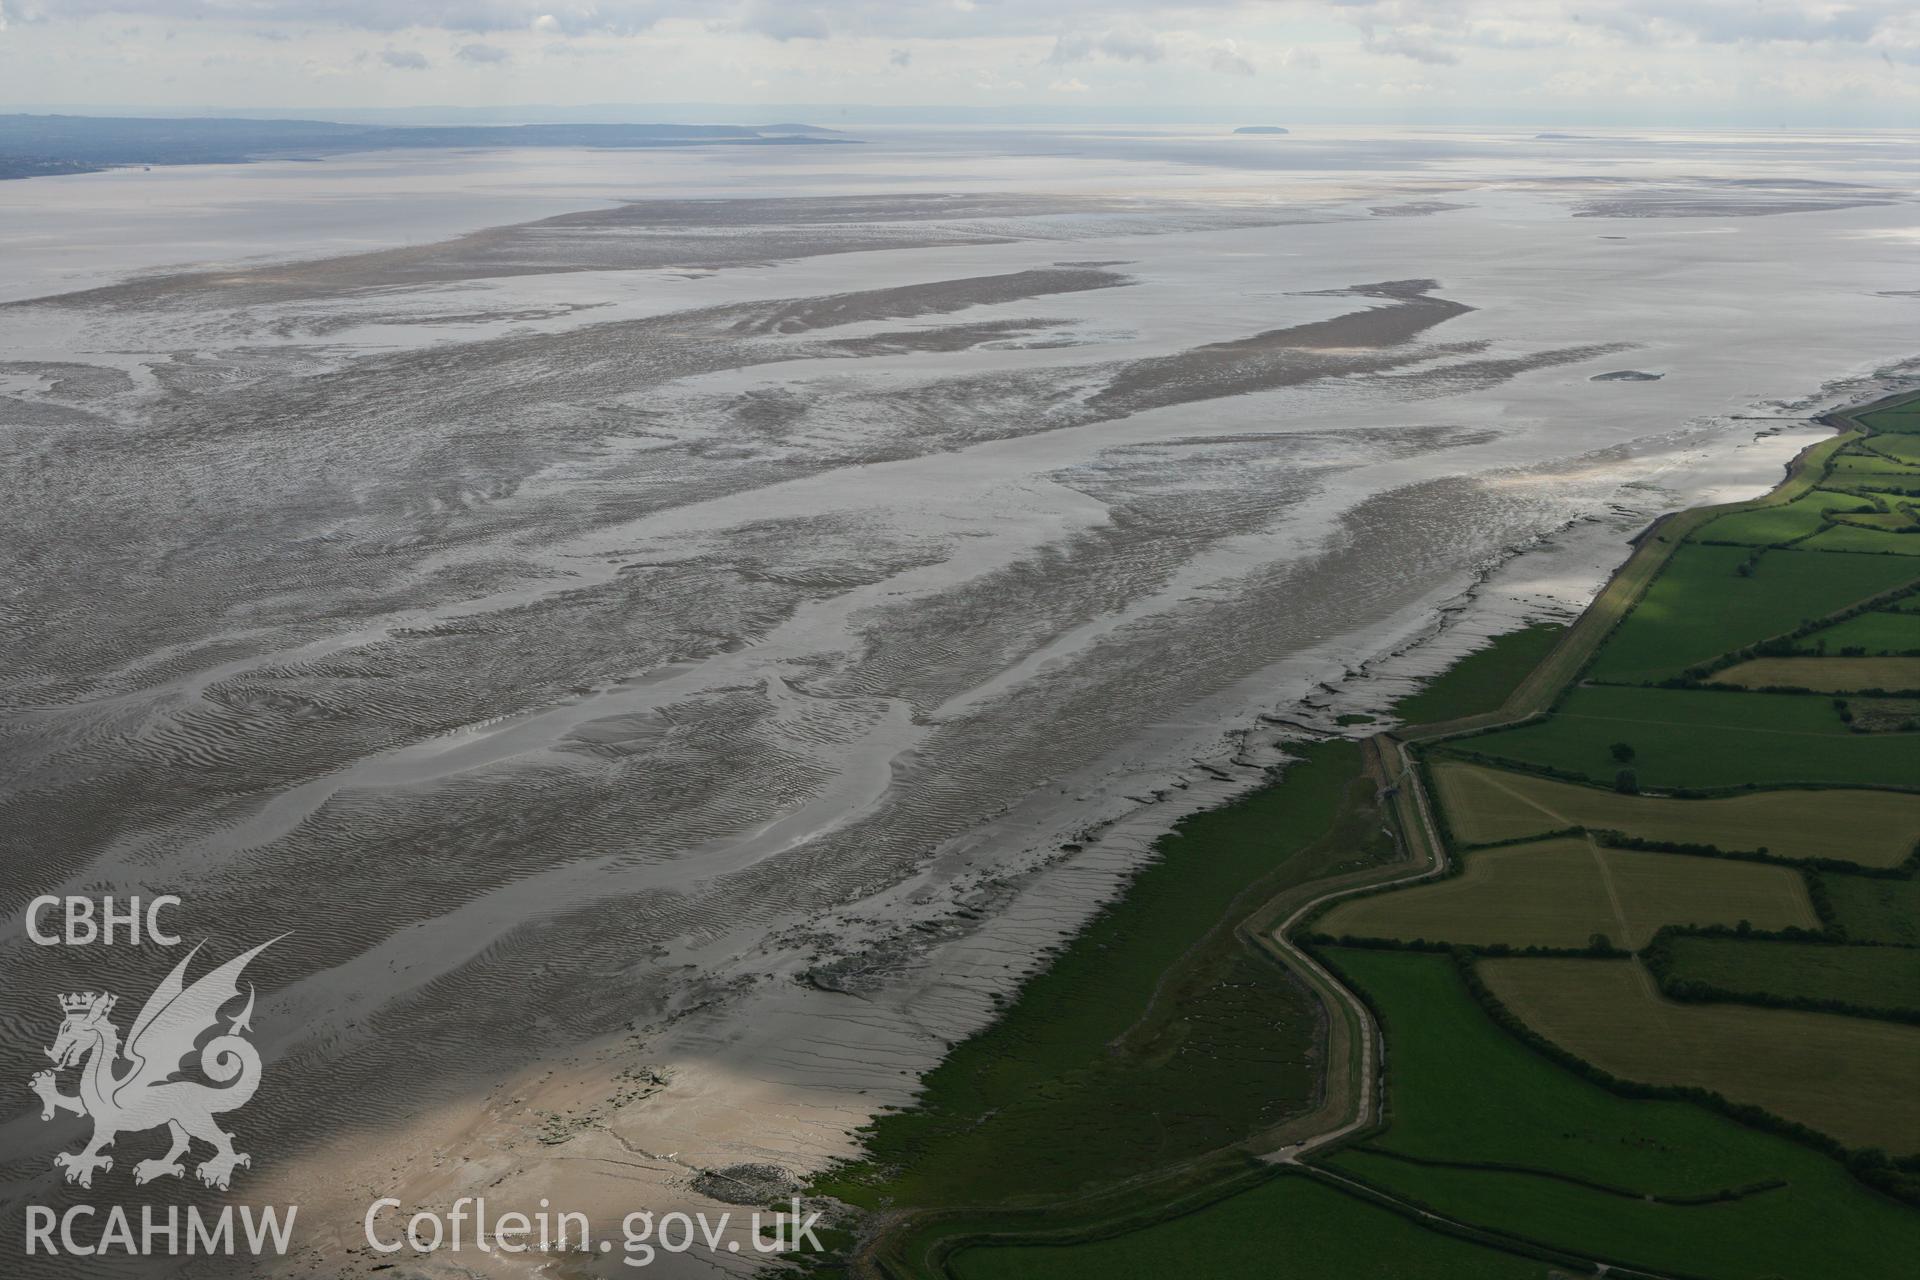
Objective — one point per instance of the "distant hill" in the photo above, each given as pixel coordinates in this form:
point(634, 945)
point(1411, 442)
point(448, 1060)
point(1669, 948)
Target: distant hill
point(37, 145)
point(1260, 128)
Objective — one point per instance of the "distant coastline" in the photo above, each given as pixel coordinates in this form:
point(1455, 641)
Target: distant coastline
point(33, 146)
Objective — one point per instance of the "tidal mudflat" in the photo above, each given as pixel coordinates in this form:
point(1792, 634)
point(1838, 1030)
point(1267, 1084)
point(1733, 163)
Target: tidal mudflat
point(672, 653)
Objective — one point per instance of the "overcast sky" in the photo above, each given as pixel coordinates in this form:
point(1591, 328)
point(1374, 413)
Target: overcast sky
point(1762, 62)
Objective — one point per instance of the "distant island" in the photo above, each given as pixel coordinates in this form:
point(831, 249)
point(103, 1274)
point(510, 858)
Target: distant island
point(39, 145)
point(1260, 128)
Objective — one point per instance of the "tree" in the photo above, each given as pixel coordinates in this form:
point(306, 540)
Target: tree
point(1625, 783)
point(1622, 751)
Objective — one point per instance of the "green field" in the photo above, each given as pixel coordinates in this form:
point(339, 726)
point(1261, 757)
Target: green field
point(1895, 418)
point(1482, 680)
point(1704, 738)
point(1876, 910)
point(1764, 526)
point(1901, 448)
point(1848, 538)
point(1869, 469)
point(1848, 1077)
point(1861, 976)
point(1883, 631)
point(1289, 1228)
point(1461, 1090)
point(1559, 893)
point(1825, 675)
point(1669, 631)
point(1872, 828)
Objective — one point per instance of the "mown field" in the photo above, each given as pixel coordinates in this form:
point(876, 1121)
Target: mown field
point(1825, 675)
point(1867, 977)
point(1872, 828)
point(1527, 1147)
point(1560, 893)
point(1848, 1077)
point(1669, 631)
point(1702, 739)
point(1290, 1226)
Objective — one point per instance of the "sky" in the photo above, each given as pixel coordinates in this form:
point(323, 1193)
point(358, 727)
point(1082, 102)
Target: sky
point(1760, 63)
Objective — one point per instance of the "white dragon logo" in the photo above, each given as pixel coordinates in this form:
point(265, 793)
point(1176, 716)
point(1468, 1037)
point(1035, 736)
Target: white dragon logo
point(147, 1096)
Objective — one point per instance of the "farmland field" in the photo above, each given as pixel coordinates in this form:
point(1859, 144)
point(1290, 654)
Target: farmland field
point(1463, 1091)
point(1882, 631)
point(1848, 1077)
point(1869, 469)
point(1825, 675)
point(1865, 976)
point(1873, 828)
point(1766, 525)
point(1850, 538)
point(1559, 893)
point(1668, 631)
point(1895, 418)
point(1901, 448)
point(1876, 910)
point(1704, 738)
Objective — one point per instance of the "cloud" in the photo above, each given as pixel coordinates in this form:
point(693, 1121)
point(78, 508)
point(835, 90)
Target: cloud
point(1225, 60)
point(1118, 46)
point(1752, 22)
point(481, 53)
point(1068, 86)
point(900, 57)
point(1298, 59)
point(784, 20)
point(404, 59)
point(1395, 44)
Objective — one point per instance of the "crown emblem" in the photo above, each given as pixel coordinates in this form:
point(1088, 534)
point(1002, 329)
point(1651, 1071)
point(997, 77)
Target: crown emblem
point(81, 1001)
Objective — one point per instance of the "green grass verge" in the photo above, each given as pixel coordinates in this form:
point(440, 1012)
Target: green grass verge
point(1673, 628)
point(1483, 680)
point(1581, 1161)
point(1289, 1226)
